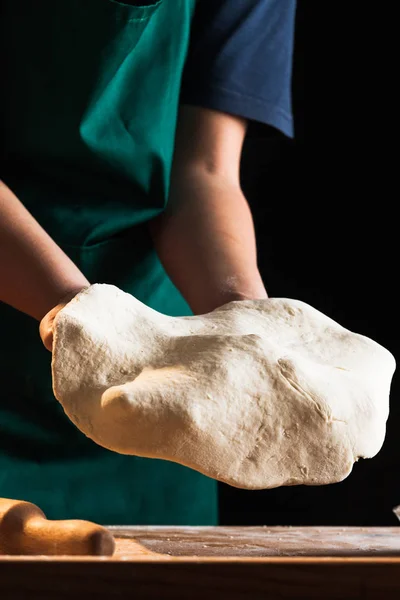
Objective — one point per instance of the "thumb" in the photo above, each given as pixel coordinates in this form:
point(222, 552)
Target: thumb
point(47, 323)
point(46, 327)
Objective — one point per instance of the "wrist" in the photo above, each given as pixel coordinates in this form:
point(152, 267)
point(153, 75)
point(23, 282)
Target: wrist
point(232, 290)
point(67, 295)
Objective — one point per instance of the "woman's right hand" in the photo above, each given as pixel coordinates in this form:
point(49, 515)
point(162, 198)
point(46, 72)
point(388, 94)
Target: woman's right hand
point(47, 323)
point(34, 271)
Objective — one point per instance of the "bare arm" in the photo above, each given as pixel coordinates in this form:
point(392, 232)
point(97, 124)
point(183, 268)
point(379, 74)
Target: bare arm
point(205, 238)
point(35, 274)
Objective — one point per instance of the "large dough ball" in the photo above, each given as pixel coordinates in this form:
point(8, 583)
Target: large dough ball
point(258, 394)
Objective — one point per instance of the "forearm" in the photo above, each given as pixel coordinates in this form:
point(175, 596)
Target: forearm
point(206, 242)
point(35, 274)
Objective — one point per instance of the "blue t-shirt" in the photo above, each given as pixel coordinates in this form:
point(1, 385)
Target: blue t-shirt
point(240, 59)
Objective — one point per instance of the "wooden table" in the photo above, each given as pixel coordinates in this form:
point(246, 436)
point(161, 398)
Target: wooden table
point(248, 563)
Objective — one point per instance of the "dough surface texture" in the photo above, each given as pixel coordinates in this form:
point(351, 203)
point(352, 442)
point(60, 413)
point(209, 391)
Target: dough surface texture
point(257, 394)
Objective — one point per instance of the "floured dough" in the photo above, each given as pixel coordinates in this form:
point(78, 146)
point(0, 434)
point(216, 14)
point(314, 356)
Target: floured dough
point(258, 394)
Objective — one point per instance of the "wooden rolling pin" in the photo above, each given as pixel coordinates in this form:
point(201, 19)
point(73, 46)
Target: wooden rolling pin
point(24, 529)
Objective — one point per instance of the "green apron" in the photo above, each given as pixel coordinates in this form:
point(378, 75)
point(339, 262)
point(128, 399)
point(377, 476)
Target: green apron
point(91, 91)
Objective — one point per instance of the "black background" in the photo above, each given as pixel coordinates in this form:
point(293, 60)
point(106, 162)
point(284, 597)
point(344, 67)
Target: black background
point(326, 223)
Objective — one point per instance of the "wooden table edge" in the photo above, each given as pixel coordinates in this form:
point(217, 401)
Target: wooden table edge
point(161, 558)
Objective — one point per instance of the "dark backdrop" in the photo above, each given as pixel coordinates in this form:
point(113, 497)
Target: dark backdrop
point(326, 235)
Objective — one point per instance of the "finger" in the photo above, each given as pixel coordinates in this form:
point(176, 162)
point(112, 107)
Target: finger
point(46, 332)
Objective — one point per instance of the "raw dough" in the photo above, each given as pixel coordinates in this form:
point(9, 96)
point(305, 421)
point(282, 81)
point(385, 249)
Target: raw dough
point(258, 394)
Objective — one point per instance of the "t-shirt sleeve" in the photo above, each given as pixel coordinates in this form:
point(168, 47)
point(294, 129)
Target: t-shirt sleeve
point(240, 60)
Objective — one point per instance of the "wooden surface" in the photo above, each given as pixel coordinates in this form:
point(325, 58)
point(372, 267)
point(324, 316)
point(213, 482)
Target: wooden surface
point(258, 541)
point(225, 562)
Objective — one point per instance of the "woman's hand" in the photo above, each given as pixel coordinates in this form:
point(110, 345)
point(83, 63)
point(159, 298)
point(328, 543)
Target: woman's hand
point(34, 272)
point(47, 323)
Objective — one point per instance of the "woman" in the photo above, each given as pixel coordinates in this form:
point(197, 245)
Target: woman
point(110, 110)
